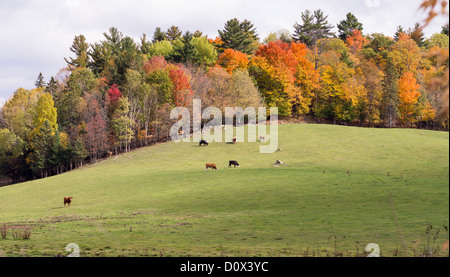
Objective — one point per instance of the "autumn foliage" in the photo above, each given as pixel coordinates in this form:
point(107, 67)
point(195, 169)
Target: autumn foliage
point(356, 41)
point(408, 95)
point(290, 78)
point(116, 94)
point(113, 94)
point(232, 60)
point(182, 93)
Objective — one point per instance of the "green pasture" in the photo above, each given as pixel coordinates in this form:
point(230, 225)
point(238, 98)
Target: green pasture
point(339, 189)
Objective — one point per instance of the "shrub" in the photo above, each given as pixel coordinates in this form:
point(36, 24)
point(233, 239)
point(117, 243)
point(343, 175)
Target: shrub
point(3, 231)
point(26, 234)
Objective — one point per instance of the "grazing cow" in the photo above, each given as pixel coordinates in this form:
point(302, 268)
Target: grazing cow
point(67, 200)
point(203, 142)
point(235, 163)
point(278, 163)
point(212, 166)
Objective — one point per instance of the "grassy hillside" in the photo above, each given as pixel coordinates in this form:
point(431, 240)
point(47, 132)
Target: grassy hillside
point(340, 189)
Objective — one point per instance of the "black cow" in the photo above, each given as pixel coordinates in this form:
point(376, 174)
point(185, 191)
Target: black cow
point(235, 163)
point(203, 142)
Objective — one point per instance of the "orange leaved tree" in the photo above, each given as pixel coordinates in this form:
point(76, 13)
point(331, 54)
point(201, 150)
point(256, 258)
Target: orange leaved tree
point(409, 94)
point(232, 60)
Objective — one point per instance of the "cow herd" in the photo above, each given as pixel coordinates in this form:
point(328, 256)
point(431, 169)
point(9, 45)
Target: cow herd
point(212, 166)
point(232, 163)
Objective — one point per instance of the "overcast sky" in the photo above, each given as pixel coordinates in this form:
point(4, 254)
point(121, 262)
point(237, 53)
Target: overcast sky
point(36, 34)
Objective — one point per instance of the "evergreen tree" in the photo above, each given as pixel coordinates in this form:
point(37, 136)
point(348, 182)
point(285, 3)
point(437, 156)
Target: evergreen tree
point(40, 81)
point(52, 86)
point(445, 29)
point(42, 137)
point(80, 48)
point(238, 36)
point(128, 58)
point(184, 51)
point(115, 55)
point(248, 28)
point(173, 33)
point(314, 27)
point(145, 45)
point(12, 149)
point(198, 34)
point(158, 35)
point(418, 35)
point(106, 56)
point(69, 100)
point(399, 31)
point(113, 40)
point(56, 154)
point(99, 56)
point(346, 27)
point(41, 149)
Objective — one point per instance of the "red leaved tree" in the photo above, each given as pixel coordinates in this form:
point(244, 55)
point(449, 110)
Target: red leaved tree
point(182, 93)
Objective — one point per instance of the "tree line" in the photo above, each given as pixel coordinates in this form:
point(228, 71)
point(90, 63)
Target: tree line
point(116, 94)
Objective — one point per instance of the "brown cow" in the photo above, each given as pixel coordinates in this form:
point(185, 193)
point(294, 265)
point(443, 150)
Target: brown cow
point(212, 166)
point(67, 200)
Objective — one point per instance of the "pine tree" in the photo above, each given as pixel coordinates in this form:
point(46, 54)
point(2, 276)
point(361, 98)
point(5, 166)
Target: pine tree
point(305, 33)
point(43, 157)
point(198, 34)
point(158, 35)
point(347, 26)
point(445, 29)
point(314, 27)
point(238, 36)
point(80, 48)
point(113, 40)
point(185, 51)
point(40, 81)
point(173, 33)
point(52, 86)
point(248, 28)
point(418, 35)
point(145, 45)
point(399, 31)
point(99, 56)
